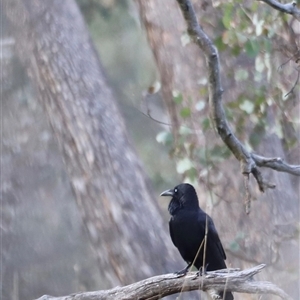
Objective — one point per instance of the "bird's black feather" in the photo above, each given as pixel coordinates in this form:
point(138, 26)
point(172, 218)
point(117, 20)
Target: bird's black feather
point(189, 225)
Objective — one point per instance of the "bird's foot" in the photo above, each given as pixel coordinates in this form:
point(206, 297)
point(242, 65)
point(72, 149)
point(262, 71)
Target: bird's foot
point(201, 272)
point(182, 272)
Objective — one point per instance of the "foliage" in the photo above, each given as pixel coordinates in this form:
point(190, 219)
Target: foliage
point(257, 80)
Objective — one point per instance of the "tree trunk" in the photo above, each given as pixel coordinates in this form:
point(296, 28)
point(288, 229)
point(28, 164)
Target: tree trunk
point(118, 207)
point(166, 32)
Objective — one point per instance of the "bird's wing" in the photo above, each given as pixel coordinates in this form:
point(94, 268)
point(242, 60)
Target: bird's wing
point(171, 232)
point(215, 237)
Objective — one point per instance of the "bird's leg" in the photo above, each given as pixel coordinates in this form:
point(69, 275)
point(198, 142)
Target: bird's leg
point(202, 271)
point(183, 271)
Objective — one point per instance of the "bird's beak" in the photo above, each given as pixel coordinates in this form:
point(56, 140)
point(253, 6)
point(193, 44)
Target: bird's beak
point(168, 193)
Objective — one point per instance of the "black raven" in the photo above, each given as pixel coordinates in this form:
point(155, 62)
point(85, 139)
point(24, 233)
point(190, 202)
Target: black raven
point(188, 226)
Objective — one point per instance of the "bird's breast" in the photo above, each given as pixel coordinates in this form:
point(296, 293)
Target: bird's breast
point(187, 234)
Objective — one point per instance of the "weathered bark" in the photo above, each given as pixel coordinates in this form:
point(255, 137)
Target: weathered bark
point(165, 28)
point(288, 8)
point(116, 202)
point(155, 288)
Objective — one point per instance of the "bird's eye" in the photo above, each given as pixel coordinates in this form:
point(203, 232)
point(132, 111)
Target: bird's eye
point(175, 191)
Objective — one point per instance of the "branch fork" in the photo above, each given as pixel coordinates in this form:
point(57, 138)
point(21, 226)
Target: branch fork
point(288, 8)
point(249, 161)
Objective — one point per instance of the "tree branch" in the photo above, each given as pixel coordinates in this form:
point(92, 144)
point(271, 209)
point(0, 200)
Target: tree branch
point(288, 8)
point(276, 163)
point(248, 161)
point(163, 285)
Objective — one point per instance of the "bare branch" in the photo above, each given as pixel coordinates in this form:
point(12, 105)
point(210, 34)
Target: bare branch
point(215, 90)
point(160, 286)
point(261, 182)
point(215, 87)
point(248, 161)
point(276, 163)
point(288, 8)
point(247, 196)
point(295, 84)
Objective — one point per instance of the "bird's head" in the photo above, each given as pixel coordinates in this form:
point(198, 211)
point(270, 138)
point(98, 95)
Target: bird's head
point(184, 196)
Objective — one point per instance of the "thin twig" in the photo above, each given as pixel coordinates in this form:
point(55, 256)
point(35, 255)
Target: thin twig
point(295, 84)
point(148, 114)
point(283, 64)
point(288, 8)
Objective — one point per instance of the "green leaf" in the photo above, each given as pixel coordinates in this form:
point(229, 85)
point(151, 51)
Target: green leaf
point(185, 112)
point(164, 137)
point(192, 174)
point(220, 152)
point(241, 75)
point(219, 43)
point(242, 39)
point(278, 130)
point(252, 48)
point(203, 90)
point(202, 81)
point(229, 113)
point(257, 135)
point(254, 6)
point(234, 246)
point(240, 235)
point(183, 130)
point(227, 15)
point(258, 25)
point(205, 124)
point(258, 77)
point(177, 97)
point(259, 97)
point(185, 39)
point(232, 104)
point(200, 105)
point(247, 106)
point(236, 50)
point(267, 44)
point(259, 64)
point(184, 165)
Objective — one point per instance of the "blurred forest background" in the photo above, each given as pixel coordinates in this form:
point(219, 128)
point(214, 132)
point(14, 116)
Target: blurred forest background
point(159, 79)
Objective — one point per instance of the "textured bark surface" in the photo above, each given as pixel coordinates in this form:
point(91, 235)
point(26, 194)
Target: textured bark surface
point(160, 286)
point(117, 204)
point(166, 31)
